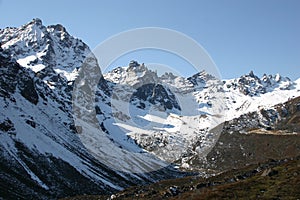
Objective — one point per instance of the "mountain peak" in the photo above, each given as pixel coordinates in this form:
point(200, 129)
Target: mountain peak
point(134, 75)
point(252, 85)
point(58, 27)
point(136, 67)
point(201, 78)
point(277, 77)
point(37, 47)
point(35, 21)
point(251, 74)
point(168, 75)
point(204, 75)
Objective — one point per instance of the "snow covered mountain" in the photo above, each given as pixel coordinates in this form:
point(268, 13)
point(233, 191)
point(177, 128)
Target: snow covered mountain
point(198, 104)
point(67, 129)
point(41, 153)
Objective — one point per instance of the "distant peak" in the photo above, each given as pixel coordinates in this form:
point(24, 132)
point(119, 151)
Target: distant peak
point(251, 74)
point(135, 66)
point(203, 75)
point(36, 21)
point(58, 27)
point(277, 77)
point(168, 75)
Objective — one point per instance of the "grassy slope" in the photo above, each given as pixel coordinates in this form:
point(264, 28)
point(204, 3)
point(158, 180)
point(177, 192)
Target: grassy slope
point(270, 180)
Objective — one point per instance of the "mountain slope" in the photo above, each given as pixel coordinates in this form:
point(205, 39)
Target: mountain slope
point(37, 144)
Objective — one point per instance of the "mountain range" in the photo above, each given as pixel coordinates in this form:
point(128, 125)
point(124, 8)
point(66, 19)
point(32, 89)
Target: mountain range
point(67, 129)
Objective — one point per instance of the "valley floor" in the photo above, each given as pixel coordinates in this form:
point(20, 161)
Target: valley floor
point(275, 179)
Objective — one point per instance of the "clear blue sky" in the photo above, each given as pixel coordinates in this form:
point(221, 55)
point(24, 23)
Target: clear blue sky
point(239, 35)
